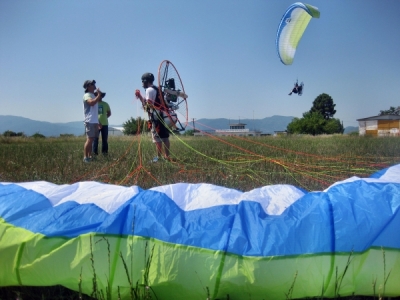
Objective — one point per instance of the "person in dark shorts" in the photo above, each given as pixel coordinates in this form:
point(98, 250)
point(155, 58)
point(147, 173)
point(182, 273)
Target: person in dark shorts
point(90, 111)
point(152, 103)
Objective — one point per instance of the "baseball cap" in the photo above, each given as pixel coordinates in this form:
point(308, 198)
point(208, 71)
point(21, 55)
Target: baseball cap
point(88, 82)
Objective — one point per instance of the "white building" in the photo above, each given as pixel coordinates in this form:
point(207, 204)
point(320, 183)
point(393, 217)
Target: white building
point(234, 130)
point(115, 131)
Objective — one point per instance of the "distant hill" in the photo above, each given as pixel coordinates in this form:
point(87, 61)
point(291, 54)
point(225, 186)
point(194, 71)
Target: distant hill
point(350, 129)
point(30, 127)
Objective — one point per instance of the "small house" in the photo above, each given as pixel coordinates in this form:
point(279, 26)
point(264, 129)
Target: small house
point(384, 125)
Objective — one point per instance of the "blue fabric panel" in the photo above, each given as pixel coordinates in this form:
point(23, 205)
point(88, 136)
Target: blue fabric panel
point(379, 173)
point(349, 216)
point(17, 202)
point(68, 219)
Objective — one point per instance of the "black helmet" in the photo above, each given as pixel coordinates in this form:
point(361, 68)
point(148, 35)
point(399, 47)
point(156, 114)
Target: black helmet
point(147, 77)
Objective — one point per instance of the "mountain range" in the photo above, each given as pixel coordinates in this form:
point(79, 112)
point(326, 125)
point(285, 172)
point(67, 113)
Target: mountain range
point(30, 127)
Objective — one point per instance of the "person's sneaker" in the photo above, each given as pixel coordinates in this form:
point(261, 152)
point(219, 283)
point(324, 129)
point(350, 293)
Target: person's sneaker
point(86, 160)
point(155, 159)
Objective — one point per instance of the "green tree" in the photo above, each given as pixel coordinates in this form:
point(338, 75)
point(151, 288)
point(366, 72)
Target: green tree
point(333, 126)
point(296, 126)
point(319, 120)
point(134, 126)
point(189, 132)
point(38, 135)
point(311, 123)
point(324, 105)
point(391, 111)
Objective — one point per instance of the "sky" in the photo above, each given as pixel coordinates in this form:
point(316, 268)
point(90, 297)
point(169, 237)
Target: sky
point(224, 51)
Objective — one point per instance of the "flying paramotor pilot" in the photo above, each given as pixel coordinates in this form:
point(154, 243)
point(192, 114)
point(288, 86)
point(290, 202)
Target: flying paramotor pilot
point(298, 89)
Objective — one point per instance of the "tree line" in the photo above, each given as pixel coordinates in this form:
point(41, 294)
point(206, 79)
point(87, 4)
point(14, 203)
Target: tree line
point(318, 120)
point(10, 133)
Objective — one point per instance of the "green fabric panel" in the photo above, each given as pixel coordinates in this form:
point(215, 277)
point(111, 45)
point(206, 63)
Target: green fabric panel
point(182, 272)
point(313, 10)
point(299, 27)
point(11, 243)
point(312, 275)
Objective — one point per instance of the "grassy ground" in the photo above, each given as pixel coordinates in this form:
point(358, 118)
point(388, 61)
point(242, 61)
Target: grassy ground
point(312, 163)
point(241, 163)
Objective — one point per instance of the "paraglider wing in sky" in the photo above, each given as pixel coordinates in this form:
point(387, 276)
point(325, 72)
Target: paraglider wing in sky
point(291, 28)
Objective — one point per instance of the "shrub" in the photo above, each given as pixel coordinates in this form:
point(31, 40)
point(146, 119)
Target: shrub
point(38, 135)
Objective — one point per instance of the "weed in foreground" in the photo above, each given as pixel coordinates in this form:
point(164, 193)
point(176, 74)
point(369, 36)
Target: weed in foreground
point(290, 291)
point(339, 278)
point(144, 290)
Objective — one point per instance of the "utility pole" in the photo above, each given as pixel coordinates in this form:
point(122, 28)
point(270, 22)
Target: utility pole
point(254, 125)
point(194, 128)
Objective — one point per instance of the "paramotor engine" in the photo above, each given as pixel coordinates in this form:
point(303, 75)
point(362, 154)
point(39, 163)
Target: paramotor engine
point(174, 104)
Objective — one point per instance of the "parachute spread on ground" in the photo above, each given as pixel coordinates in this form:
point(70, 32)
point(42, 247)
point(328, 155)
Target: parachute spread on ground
point(204, 240)
point(291, 28)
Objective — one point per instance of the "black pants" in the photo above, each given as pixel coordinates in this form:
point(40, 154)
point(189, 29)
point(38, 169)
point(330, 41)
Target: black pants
point(104, 141)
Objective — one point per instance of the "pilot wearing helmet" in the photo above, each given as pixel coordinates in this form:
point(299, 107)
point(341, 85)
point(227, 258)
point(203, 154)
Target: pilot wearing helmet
point(152, 102)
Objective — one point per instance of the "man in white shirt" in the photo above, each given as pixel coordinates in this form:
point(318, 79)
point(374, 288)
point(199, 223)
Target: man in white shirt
point(90, 110)
point(159, 132)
